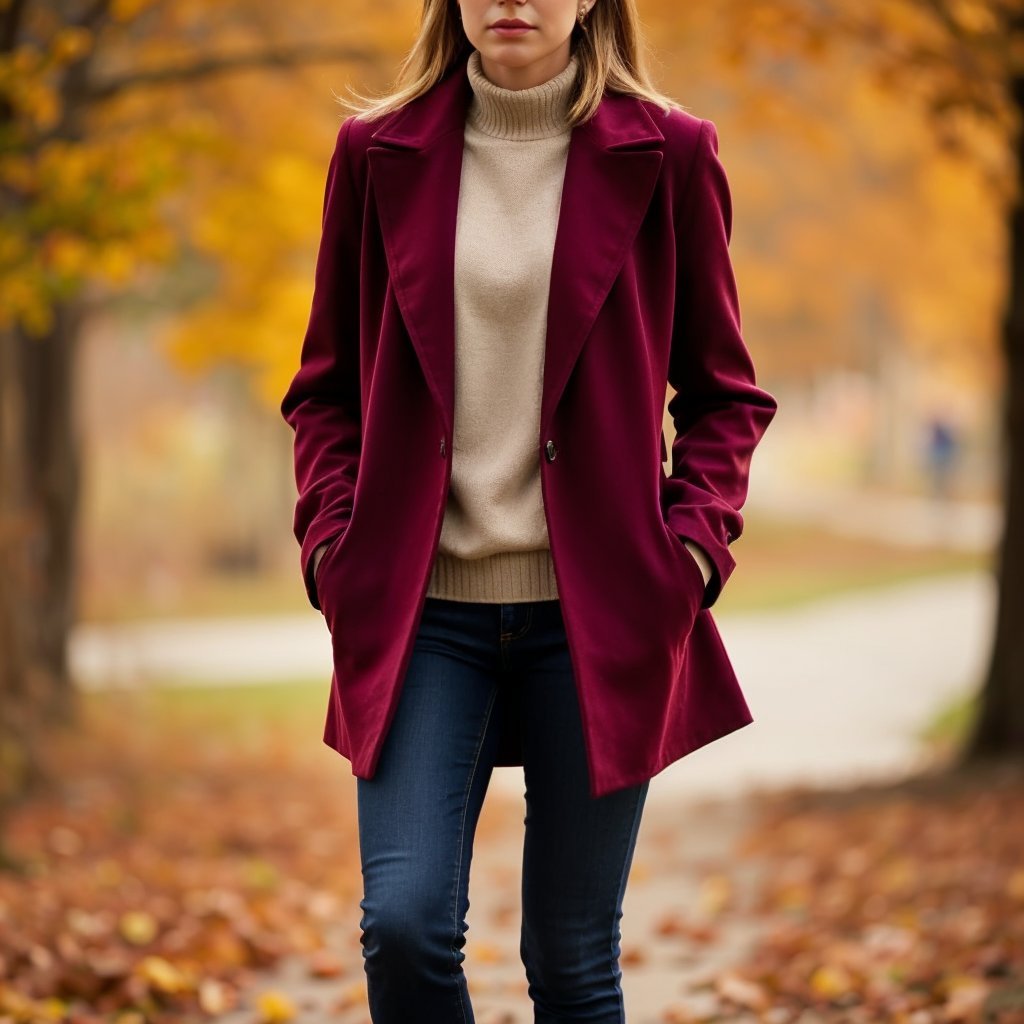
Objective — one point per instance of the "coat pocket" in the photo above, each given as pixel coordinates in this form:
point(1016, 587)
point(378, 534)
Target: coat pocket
point(691, 567)
point(322, 572)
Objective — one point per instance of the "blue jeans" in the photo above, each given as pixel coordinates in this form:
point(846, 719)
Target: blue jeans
point(418, 817)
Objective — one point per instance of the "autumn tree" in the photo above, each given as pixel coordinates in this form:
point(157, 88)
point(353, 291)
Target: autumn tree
point(962, 63)
point(88, 169)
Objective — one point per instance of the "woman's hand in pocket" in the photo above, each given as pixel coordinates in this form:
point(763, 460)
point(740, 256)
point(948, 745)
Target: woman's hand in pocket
point(317, 556)
point(701, 557)
point(320, 569)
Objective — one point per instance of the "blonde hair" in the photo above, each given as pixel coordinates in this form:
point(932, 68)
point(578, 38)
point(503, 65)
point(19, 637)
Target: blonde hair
point(610, 52)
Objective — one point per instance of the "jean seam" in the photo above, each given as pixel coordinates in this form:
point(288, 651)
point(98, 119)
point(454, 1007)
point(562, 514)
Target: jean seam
point(630, 840)
point(462, 832)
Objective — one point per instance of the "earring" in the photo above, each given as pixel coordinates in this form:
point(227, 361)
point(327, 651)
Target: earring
point(581, 15)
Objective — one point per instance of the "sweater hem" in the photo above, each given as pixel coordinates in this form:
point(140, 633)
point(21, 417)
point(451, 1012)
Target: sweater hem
point(504, 577)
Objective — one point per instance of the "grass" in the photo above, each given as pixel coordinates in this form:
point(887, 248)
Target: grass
point(947, 729)
point(248, 716)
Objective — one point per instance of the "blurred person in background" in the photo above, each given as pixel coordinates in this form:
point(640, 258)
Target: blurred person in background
point(523, 244)
point(941, 448)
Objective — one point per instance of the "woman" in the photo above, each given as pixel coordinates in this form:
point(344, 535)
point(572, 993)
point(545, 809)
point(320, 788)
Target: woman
point(521, 246)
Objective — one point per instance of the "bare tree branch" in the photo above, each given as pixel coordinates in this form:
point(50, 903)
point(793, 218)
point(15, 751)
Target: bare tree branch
point(96, 12)
point(286, 57)
point(10, 23)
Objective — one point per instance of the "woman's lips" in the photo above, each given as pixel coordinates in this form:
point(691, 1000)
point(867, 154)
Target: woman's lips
point(511, 30)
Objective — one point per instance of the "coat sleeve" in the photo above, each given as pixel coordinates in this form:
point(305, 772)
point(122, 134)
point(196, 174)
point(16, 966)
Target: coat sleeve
point(322, 403)
point(718, 411)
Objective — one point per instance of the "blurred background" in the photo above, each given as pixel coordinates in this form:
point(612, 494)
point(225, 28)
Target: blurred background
point(175, 840)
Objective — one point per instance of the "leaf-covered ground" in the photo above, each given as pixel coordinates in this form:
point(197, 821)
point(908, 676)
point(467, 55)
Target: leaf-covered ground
point(189, 866)
point(901, 903)
point(173, 859)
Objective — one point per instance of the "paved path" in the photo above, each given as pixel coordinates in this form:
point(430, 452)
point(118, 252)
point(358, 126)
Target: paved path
point(837, 688)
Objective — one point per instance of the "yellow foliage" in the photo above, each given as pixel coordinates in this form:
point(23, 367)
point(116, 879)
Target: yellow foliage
point(138, 927)
point(52, 1009)
point(214, 997)
point(274, 1007)
point(831, 982)
point(162, 975)
point(68, 254)
point(974, 16)
point(26, 59)
point(116, 262)
point(128, 10)
point(40, 103)
point(71, 43)
point(716, 893)
point(16, 172)
point(88, 210)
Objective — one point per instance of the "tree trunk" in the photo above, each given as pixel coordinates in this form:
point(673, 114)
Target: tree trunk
point(39, 488)
point(48, 374)
point(18, 743)
point(998, 730)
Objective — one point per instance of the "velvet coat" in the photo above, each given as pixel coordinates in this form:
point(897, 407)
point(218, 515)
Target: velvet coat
point(642, 295)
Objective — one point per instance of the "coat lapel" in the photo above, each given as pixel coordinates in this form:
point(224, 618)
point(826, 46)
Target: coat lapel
point(415, 163)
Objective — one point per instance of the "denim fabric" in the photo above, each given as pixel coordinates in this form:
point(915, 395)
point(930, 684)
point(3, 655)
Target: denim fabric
point(472, 663)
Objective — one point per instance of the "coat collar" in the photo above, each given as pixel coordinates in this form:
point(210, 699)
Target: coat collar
point(415, 159)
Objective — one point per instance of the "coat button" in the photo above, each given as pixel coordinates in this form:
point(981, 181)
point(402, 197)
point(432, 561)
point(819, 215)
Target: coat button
point(442, 447)
point(551, 451)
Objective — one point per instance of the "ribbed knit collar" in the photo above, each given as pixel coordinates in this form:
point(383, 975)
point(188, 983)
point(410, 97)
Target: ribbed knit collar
point(520, 114)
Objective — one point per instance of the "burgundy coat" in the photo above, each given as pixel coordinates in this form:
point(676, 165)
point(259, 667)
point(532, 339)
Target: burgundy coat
point(642, 293)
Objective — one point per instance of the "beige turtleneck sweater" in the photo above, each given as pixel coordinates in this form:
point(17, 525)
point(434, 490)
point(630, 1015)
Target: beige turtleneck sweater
point(494, 544)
